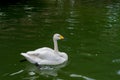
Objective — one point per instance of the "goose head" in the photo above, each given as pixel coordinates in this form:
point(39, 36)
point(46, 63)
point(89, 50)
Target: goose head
point(57, 37)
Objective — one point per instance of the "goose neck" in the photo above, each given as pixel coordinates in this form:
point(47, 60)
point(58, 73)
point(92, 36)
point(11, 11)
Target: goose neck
point(55, 46)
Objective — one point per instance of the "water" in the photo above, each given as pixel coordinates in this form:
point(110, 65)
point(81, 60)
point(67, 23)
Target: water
point(92, 38)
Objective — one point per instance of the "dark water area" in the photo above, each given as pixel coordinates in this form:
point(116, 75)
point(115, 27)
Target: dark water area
point(92, 38)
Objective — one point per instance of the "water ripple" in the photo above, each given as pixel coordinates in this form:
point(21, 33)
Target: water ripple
point(81, 76)
point(116, 60)
point(18, 72)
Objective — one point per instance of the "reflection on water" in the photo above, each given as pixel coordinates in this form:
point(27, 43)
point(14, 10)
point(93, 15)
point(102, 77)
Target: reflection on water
point(35, 72)
point(113, 14)
point(118, 72)
point(46, 70)
point(81, 76)
point(116, 60)
point(15, 73)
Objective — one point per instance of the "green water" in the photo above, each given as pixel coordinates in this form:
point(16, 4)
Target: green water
point(92, 38)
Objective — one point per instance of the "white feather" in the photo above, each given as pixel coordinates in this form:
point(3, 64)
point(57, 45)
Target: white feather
point(47, 56)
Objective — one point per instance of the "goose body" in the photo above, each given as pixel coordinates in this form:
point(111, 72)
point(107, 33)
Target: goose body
point(47, 56)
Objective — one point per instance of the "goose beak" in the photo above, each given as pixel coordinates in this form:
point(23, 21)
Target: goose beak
point(61, 37)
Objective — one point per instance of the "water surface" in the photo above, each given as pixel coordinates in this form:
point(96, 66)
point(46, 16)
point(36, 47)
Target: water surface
point(92, 38)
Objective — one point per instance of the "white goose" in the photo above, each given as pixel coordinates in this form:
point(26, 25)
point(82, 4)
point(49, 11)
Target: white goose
point(47, 56)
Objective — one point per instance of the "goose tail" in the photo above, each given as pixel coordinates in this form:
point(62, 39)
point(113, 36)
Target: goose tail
point(28, 57)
